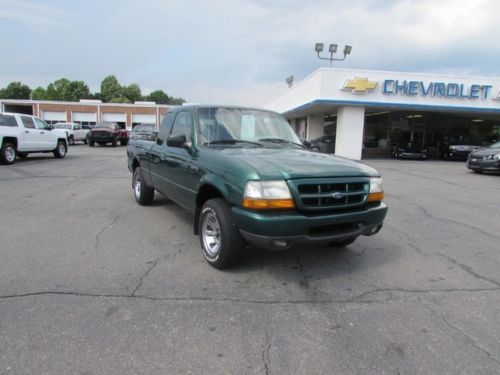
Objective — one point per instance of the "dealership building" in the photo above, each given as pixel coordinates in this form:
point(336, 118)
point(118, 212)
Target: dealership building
point(89, 112)
point(370, 112)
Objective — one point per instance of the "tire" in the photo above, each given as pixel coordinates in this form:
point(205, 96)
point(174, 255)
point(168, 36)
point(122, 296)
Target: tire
point(60, 150)
point(220, 238)
point(91, 143)
point(143, 194)
point(114, 142)
point(342, 243)
point(124, 142)
point(71, 141)
point(477, 171)
point(22, 155)
point(85, 141)
point(8, 154)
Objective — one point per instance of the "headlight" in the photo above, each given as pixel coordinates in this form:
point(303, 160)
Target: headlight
point(496, 156)
point(453, 147)
point(376, 189)
point(265, 195)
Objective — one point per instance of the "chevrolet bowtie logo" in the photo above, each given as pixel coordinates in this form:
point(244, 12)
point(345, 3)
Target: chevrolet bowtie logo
point(359, 85)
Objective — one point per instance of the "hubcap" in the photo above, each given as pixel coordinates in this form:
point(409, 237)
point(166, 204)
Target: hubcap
point(62, 149)
point(211, 234)
point(10, 154)
point(137, 186)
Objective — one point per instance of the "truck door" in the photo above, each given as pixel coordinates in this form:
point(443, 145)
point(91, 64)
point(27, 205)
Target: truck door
point(176, 166)
point(48, 140)
point(31, 137)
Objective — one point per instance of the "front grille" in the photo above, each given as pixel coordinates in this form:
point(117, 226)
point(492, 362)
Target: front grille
point(100, 134)
point(330, 194)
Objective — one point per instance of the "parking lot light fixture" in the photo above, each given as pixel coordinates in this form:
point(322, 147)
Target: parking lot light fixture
point(332, 49)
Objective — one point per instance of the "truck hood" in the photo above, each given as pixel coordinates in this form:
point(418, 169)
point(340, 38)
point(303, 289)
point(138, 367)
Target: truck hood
point(283, 163)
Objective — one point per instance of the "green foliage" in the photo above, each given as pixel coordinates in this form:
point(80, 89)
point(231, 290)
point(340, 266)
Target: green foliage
point(111, 89)
point(15, 90)
point(39, 94)
point(72, 91)
point(132, 92)
point(159, 97)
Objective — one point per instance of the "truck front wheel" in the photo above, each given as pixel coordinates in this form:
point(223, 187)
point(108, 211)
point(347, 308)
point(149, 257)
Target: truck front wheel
point(143, 194)
point(220, 238)
point(8, 153)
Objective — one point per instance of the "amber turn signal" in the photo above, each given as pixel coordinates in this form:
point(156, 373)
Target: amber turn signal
point(267, 204)
point(375, 197)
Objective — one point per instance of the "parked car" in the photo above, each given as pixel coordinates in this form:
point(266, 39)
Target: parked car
point(107, 132)
point(246, 178)
point(75, 132)
point(458, 147)
point(409, 150)
point(485, 159)
point(143, 131)
point(324, 144)
point(22, 134)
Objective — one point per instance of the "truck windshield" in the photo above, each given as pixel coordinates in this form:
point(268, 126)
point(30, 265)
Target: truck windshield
point(62, 126)
point(223, 124)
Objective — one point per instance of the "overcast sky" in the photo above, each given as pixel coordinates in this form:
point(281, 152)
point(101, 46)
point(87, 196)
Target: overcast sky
point(239, 52)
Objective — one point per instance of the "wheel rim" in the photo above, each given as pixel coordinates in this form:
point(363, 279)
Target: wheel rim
point(211, 234)
point(10, 154)
point(62, 149)
point(137, 186)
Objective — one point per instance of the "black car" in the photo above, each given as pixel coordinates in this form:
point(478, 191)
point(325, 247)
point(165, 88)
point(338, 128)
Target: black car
point(485, 159)
point(144, 131)
point(324, 144)
point(409, 150)
point(458, 148)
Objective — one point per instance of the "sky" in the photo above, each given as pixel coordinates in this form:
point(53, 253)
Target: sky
point(239, 52)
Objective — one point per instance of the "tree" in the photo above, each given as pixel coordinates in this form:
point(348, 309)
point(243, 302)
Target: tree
point(111, 89)
point(176, 101)
point(132, 92)
point(39, 94)
point(15, 90)
point(159, 97)
point(121, 99)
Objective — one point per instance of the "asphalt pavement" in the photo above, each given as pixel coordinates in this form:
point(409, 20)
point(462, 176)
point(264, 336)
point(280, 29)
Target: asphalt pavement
point(92, 283)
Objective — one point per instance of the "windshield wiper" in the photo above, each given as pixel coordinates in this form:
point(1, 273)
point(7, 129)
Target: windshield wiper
point(230, 142)
point(279, 140)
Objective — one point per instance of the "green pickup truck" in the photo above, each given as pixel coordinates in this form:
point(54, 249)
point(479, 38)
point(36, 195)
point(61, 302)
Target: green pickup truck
point(246, 178)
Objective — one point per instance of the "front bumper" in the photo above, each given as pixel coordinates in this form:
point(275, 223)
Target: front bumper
point(480, 164)
point(412, 155)
point(284, 230)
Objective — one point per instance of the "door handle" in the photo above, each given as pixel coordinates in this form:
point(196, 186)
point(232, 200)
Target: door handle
point(26, 131)
point(42, 132)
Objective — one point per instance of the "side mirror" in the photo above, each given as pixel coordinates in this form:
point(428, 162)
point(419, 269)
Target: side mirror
point(177, 141)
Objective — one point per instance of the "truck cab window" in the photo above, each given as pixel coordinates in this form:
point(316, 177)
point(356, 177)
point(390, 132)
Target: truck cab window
point(28, 122)
point(182, 125)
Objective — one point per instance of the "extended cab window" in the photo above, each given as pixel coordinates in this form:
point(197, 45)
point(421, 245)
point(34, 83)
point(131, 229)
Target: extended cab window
point(6, 120)
point(28, 122)
point(182, 125)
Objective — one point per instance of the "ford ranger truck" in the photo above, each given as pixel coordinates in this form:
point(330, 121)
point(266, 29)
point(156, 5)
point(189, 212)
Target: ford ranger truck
point(246, 178)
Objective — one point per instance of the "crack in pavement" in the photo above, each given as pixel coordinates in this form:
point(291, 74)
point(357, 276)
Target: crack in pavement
point(470, 271)
point(439, 218)
point(304, 283)
point(102, 231)
point(354, 300)
point(468, 339)
point(155, 263)
point(265, 352)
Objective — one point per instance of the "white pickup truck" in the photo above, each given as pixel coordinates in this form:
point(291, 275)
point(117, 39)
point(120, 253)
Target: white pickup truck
point(21, 134)
point(75, 132)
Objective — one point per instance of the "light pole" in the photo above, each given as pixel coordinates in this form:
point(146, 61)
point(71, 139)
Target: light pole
point(332, 49)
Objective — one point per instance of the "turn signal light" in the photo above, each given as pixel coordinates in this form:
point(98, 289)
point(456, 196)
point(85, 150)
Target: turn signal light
point(375, 197)
point(267, 204)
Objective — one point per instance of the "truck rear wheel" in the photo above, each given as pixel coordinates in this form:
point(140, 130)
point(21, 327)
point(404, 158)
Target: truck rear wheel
point(143, 194)
point(220, 238)
point(8, 153)
point(71, 141)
